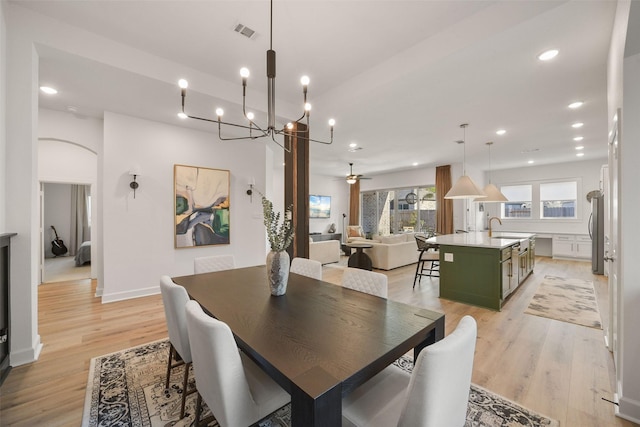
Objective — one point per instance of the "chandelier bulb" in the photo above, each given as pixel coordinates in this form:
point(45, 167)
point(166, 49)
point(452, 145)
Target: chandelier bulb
point(182, 115)
point(219, 112)
point(250, 115)
point(332, 122)
point(307, 107)
point(183, 84)
point(244, 72)
point(289, 125)
point(304, 80)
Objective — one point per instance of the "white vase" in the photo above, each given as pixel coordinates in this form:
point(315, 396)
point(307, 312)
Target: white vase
point(278, 272)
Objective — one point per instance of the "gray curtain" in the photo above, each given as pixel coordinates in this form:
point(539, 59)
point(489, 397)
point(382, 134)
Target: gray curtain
point(80, 231)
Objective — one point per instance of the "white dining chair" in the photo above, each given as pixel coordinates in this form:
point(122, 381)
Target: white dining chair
point(208, 264)
point(236, 390)
point(365, 281)
point(174, 299)
point(307, 267)
point(435, 394)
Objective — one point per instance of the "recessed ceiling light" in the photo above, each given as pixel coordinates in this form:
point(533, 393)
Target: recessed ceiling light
point(353, 145)
point(579, 147)
point(577, 125)
point(415, 163)
point(578, 138)
point(48, 90)
point(547, 55)
point(580, 154)
point(501, 131)
point(530, 161)
point(576, 104)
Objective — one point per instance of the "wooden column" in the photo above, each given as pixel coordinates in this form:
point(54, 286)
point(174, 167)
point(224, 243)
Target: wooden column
point(296, 188)
point(354, 203)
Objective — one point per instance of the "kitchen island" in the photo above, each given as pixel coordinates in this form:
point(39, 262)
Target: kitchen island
point(480, 270)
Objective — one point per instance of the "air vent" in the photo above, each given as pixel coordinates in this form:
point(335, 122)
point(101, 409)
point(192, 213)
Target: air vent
point(244, 30)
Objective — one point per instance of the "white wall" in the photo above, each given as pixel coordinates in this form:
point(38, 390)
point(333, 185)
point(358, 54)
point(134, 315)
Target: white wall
point(629, 387)
point(3, 104)
point(57, 211)
point(138, 234)
point(588, 172)
point(338, 189)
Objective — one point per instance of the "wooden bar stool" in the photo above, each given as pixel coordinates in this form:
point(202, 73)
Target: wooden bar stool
point(426, 255)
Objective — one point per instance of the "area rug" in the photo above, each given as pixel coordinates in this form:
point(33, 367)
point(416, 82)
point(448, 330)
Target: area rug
point(127, 389)
point(567, 300)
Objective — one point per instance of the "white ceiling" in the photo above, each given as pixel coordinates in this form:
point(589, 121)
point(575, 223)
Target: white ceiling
point(398, 76)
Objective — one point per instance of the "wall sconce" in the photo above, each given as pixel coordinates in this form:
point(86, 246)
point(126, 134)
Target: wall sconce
point(252, 182)
point(134, 171)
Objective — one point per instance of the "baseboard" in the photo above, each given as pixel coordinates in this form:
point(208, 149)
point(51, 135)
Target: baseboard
point(121, 296)
point(628, 409)
point(27, 355)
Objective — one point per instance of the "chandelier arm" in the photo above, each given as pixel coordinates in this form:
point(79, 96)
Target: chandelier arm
point(288, 150)
point(305, 138)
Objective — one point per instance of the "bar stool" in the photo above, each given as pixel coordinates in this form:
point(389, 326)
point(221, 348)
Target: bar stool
point(426, 255)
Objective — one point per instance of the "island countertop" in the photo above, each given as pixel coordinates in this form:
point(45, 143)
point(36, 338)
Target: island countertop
point(499, 240)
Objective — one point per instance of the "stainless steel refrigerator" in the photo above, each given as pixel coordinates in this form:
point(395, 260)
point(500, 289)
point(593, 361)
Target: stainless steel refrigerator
point(596, 232)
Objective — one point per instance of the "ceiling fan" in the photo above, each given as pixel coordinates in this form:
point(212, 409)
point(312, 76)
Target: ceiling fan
point(351, 178)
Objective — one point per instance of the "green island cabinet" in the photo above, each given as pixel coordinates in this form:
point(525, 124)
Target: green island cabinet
point(483, 271)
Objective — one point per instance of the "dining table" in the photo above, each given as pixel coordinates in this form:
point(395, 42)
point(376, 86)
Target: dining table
point(318, 341)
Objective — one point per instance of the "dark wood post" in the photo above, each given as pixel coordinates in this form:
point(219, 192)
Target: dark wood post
point(296, 187)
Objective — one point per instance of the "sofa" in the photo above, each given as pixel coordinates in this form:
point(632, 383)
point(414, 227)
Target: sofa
point(388, 252)
point(326, 251)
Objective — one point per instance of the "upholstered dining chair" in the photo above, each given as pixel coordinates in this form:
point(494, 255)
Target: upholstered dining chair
point(174, 299)
point(365, 281)
point(235, 389)
point(435, 394)
point(207, 264)
point(307, 267)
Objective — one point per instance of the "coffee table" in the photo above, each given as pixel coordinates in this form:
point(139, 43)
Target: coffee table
point(359, 259)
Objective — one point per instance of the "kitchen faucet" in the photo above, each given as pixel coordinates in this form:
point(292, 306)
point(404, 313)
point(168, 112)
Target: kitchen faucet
point(491, 219)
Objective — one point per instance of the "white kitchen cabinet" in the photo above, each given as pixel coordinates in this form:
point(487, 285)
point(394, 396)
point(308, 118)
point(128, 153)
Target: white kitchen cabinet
point(571, 246)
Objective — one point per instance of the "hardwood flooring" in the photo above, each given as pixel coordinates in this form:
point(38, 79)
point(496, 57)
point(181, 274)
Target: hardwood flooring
point(559, 369)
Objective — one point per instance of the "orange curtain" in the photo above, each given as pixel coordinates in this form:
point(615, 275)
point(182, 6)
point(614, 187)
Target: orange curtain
point(444, 207)
point(354, 203)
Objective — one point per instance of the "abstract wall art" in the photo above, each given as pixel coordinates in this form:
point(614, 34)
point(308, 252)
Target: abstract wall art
point(201, 206)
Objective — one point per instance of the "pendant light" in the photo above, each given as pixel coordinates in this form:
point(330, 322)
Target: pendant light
point(465, 188)
point(492, 192)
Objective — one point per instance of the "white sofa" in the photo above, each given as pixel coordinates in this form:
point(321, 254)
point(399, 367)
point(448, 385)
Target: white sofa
point(389, 252)
point(326, 251)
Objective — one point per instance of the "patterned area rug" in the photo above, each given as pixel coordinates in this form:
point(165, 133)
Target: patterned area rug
point(568, 300)
point(127, 389)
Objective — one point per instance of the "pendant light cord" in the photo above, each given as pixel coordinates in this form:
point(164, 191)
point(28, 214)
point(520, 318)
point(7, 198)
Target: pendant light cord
point(271, 27)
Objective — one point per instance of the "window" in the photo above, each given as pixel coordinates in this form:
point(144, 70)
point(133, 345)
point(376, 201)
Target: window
point(558, 199)
point(519, 204)
point(398, 210)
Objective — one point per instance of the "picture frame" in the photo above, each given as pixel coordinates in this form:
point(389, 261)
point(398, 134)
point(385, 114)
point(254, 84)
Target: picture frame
point(201, 206)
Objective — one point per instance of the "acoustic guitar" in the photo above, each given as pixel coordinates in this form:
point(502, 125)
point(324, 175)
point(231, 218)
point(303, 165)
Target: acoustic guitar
point(57, 245)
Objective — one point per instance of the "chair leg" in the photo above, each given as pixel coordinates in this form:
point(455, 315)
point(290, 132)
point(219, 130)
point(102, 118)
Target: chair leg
point(171, 350)
point(185, 384)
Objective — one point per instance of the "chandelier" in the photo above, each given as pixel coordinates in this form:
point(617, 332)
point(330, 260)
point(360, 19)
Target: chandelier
point(270, 130)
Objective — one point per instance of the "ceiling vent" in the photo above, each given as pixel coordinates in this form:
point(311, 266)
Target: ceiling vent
point(244, 30)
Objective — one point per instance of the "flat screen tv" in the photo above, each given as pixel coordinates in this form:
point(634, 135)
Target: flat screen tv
point(319, 206)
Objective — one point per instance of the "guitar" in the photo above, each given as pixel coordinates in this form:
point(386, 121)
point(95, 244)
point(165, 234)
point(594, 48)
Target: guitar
point(57, 246)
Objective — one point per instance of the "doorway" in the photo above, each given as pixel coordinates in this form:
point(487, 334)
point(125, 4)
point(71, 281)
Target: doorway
point(66, 232)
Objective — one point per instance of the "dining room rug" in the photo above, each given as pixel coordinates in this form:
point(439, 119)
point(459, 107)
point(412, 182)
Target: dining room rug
point(126, 388)
point(567, 300)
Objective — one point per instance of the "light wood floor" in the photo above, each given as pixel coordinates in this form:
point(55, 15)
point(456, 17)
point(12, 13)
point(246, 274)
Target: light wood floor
point(555, 368)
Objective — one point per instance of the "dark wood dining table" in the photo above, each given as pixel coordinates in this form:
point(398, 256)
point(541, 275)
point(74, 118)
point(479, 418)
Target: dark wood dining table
point(319, 341)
